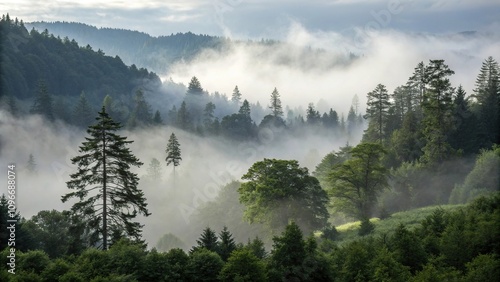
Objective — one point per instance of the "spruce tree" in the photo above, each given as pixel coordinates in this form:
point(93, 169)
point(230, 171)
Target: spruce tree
point(275, 106)
point(377, 112)
point(208, 240)
point(194, 87)
point(183, 117)
point(236, 97)
point(106, 189)
point(154, 170)
point(83, 113)
point(208, 116)
point(43, 104)
point(142, 111)
point(245, 109)
point(173, 151)
point(31, 166)
point(226, 245)
point(437, 108)
point(487, 94)
point(157, 120)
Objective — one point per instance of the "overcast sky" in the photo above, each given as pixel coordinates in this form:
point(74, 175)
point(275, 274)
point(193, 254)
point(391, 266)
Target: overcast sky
point(264, 19)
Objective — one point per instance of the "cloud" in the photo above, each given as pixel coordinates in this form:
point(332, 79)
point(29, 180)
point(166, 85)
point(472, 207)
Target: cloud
point(303, 74)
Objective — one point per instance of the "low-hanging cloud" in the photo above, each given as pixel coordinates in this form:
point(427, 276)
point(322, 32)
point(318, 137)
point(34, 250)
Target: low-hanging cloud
point(311, 66)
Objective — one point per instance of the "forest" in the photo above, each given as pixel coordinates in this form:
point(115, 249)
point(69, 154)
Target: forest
point(410, 191)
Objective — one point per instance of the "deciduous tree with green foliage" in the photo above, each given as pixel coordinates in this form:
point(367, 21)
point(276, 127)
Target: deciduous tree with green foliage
point(106, 190)
point(356, 183)
point(278, 191)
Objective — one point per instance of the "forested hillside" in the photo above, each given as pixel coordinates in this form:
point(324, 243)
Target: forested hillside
point(134, 47)
point(66, 68)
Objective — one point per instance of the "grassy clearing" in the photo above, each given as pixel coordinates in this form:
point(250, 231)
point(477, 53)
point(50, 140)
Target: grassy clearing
point(411, 219)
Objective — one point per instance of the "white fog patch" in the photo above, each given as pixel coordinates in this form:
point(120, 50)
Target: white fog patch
point(303, 75)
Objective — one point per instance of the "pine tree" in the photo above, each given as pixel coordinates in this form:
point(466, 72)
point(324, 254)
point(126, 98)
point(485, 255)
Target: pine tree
point(173, 151)
point(487, 94)
point(157, 120)
point(154, 170)
point(463, 135)
point(208, 115)
point(226, 245)
point(208, 240)
point(183, 117)
point(313, 116)
point(43, 104)
point(276, 104)
point(236, 97)
point(142, 111)
point(83, 113)
point(245, 109)
point(377, 112)
point(106, 189)
point(437, 108)
point(194, 87)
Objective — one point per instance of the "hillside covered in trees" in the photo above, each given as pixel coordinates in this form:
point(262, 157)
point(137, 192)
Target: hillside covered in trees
point(238, 191)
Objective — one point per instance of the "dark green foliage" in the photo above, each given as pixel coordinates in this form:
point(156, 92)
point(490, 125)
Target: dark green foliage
point(243, 265)
point(104, 164)
point(183, 119)
point(366, 227)
point(157, 120)
point(55, 233)
point(23, 240)
point(204, 265)
point(487, 94)
point(256, 246)
point(289, 253)
point(226, 244)
point(66, 68)
point(245, 109)
point(177, 263)
point(312, 116)
point(83, 115)
point(141, 114)
point(377, 112)
point(356, 184)
point(43, 104)
point(33, 261)
point(329, 162)
point(437, 106)
point(483, 268)
point(238, 126)
point(386, 268)
point(278, 191)
point(408, 249)
point(208, 240)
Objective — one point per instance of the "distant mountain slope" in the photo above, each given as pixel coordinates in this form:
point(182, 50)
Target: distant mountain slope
point(67, 68)
point(156, 53)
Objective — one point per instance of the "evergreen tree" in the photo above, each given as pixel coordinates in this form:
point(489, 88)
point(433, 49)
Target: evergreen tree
point(419, 81)
point(245, 109)
point(173, 151)
point(236, 97)
point(226, 244)
point(352, 121)
point(106, 189)
point(463, 135)
point(183, 117)
point(437, 108)
point(194, 87)
point(208, 116)
point(208, 240)
point(289, 253)
point(83, 113)
point(154, 170)
point(157, 120)
point(377, 112)
point(487, 94)
point(275, 106)
point(313, 116)
point(112, 109)
point(142, 111)
point(43, 104)
point(172, 115)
